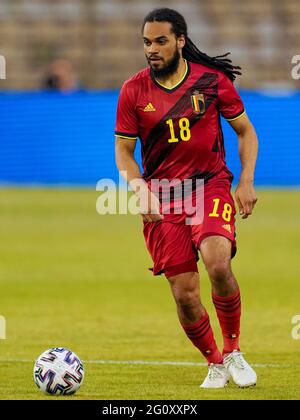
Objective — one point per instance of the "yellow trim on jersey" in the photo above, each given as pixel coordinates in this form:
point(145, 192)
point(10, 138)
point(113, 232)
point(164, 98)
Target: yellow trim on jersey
point(236, 118)
point(125, 137)
point(180, 81)
point(196, 103)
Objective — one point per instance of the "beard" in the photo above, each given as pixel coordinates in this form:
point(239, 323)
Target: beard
point(169, 68)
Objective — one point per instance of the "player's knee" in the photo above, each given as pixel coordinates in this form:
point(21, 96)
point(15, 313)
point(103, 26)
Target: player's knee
point(185, 289)
point(219, 271)
point(189, 307)
point(187, 299)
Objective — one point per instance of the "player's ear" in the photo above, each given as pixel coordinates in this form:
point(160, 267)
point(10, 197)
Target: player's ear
point(181, 41)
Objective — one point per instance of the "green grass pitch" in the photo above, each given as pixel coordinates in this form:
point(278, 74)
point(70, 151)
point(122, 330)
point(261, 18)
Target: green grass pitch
point(72, 278)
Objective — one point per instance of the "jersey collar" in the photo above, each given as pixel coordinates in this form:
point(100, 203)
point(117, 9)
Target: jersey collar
point(172, 89)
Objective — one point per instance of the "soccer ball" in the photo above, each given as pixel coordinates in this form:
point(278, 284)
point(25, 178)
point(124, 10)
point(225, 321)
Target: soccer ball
point(58, 371)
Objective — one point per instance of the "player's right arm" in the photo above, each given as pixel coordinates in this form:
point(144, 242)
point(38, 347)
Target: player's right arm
point(125, 160)
point(126, 132)
point(127, 129)
point(129, 169)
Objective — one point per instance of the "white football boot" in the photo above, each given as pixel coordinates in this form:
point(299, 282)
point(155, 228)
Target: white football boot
point(217, 377)
point(241, 372)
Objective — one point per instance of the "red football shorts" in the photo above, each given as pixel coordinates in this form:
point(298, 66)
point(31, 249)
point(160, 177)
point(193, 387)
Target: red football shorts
point(174, 246)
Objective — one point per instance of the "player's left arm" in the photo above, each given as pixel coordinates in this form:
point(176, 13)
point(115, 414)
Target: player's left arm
point(245, 194)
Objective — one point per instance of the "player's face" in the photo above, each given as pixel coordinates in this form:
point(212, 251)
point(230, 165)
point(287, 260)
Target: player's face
point(162, 48)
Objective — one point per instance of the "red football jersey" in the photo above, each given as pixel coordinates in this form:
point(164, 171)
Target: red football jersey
point(179, 128)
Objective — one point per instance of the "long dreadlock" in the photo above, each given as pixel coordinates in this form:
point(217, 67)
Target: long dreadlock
point(190, 52)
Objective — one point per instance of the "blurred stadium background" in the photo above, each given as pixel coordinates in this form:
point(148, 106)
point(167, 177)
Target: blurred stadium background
point(59, 267)
point(66, 139)
point(102, 37)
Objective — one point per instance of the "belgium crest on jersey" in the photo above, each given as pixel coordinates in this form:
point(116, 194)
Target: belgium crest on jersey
point(198, 102)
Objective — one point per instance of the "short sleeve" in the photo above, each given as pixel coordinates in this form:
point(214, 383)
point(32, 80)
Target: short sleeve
point(126, 120)
point(230, 103)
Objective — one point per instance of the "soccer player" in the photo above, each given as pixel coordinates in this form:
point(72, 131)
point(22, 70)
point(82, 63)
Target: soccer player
point(174, 107)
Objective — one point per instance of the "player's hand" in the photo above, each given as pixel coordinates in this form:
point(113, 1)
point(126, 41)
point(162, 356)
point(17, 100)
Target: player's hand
point(150, 207)
point(246, 198)
point(149, 203)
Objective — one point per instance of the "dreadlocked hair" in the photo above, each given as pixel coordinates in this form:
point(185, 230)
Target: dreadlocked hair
point(190, 52)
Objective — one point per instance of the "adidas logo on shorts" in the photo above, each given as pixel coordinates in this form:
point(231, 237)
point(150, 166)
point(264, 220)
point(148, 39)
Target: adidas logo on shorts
point(227, 227)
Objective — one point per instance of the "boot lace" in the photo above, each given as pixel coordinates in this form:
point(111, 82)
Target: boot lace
point(235, 359)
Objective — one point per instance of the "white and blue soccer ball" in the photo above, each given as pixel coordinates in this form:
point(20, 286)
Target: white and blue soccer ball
point(58, 371)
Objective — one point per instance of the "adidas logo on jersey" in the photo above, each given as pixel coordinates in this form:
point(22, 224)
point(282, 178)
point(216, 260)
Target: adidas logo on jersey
point(149, 108)
point(227, 227)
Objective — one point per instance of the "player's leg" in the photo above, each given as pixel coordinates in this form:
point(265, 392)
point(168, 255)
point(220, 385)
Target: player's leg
point(196, 324)
point(192, 314)
point(215, 238)
point(170, 246)
point(216, 255)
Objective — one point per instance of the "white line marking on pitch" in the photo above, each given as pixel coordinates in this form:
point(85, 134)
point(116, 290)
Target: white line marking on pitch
point(150, 363)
